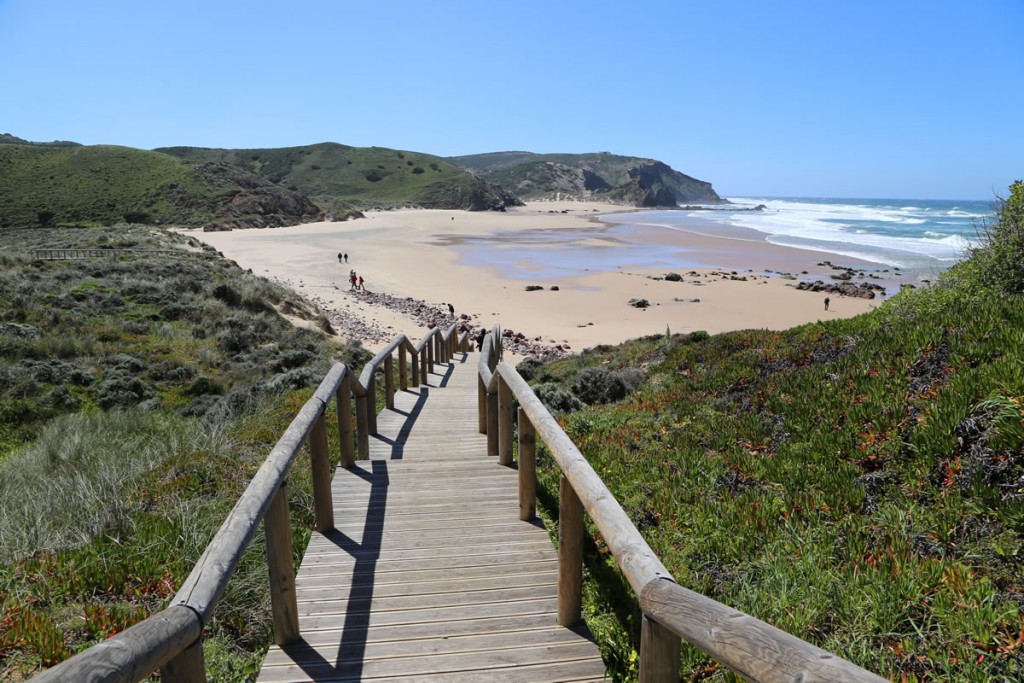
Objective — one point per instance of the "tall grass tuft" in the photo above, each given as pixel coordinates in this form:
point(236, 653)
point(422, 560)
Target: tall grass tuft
point(60, 491)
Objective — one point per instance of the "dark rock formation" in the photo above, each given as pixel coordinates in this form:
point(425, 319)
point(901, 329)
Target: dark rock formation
point(864, 290)
point(651, 185)
point(246, 200)
point(476, 195)
point(598, 176)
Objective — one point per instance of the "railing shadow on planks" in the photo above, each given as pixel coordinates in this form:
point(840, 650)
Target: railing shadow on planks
point(171, 640)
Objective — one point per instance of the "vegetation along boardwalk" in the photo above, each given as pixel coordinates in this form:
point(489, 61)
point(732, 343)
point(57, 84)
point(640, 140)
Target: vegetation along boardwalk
point(430, 574)
point(428, 563)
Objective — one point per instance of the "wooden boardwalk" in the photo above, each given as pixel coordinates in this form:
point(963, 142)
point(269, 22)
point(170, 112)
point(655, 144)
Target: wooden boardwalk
point(430, 574)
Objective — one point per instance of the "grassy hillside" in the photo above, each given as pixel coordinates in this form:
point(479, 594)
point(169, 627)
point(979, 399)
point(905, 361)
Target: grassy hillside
point(103, 185)
point(8, 139)
point(366, 177)
point(138, 395)
point(858, 483)
point(598, 175)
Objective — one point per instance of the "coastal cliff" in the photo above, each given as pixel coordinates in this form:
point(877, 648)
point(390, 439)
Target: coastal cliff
point(601, 176)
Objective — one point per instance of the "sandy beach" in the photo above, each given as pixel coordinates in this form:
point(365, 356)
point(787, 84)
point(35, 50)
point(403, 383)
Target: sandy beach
point(585, 273)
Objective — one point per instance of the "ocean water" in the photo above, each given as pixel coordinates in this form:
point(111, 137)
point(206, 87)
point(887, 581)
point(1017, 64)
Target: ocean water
point(922, 236)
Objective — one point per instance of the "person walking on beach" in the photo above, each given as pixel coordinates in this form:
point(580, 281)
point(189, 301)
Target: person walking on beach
point(451, 310)
point(361, 285)
point(346, 258)
point(352, 279)
point(826, 303)
point(339, 258)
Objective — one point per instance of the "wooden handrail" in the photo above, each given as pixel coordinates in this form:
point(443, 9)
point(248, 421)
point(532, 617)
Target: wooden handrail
point(171, 639)
point(750, 647)
point(83, 252)
point(132, 654)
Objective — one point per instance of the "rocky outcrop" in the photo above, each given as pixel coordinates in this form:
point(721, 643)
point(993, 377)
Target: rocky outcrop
point(245, 200)
point(650, 186)
point(599, 177)
point(864, 290)
point(475, 195)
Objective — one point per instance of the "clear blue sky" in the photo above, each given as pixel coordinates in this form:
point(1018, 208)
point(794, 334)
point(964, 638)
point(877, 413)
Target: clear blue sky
point(898, 98)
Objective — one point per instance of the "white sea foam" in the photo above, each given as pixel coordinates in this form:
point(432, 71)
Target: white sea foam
point(875, 230)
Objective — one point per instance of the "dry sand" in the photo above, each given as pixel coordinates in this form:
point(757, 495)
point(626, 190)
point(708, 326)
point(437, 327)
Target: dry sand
point(443, 257)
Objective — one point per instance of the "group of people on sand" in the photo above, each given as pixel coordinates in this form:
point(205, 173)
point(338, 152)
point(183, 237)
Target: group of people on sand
point(355, 281)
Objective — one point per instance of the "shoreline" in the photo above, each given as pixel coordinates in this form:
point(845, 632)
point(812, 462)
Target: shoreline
point(583, 272)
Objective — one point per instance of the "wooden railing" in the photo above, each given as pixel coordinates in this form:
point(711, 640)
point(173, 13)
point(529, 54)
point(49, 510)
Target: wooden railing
point(66, 254)
point(750, 647)
point(171, 639)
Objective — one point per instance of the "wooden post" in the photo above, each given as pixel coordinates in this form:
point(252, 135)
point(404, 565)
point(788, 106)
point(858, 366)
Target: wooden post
point(430, 353)
point(570, 555)
point(344, 406)
point(481, 404)
point(415, 369)
point(424, 363)
point(362, 428)
point(659, 653)
point(320, 464)
point(492, 423)
point(403, 368)
point(504, 423)
point(188, 666)
point(389, 382)
point(282, 572)
point(371, 405)
point(527, 468)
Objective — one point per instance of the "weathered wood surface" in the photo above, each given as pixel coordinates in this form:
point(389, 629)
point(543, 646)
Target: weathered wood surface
point(430, 575)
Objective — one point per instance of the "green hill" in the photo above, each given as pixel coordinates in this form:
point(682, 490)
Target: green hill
point(367, 177)
point(103, 185)
point(601, 176)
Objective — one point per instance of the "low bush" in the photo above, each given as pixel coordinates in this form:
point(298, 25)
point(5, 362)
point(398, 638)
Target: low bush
point(121, 391)
point(557, 400)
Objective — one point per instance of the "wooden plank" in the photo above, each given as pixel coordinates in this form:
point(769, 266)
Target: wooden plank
point(433, 646)
point(315, 622)
point(432, 629)
point(437, 586)
point(326, 576)
point(480, 663)
point(383, 564)
point(403, 603)
point(416, 537)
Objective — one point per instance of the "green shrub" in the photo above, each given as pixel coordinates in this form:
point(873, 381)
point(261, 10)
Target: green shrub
point(598, 385)
point(228, 294)
point(999, 260)
point(530, 369)
point(122, 391)
point(557, 400)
